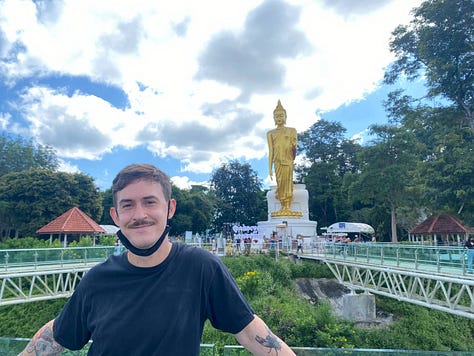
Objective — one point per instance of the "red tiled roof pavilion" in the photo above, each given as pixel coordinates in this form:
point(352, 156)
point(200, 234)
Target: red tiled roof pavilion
point(73, 221)
point(444, 226)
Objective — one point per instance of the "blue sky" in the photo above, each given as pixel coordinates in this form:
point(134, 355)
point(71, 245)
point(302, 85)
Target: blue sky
point(185, 85)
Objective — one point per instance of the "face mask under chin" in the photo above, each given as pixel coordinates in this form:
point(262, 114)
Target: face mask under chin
point(142, 251)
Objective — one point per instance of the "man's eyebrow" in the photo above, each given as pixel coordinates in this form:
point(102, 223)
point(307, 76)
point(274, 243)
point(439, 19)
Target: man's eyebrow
point(150, 197)
point(126, 200)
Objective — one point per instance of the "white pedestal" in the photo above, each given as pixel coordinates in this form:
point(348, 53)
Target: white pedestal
point(295, 225)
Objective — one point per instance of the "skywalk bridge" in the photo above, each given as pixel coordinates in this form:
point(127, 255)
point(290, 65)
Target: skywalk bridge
point(434, 277)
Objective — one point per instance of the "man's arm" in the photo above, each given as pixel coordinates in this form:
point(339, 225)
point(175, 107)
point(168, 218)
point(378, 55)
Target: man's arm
point(259, 340)
point(42, 343)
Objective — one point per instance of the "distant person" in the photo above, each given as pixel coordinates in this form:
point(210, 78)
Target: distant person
point(247, 245)
point(118, 248)
point(214, 245)
point(299, 244)
point(469, 246)
point(155, 298)
point(238, 241)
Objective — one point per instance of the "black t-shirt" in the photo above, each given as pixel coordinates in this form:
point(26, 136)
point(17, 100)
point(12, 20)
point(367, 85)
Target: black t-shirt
point(127, 310)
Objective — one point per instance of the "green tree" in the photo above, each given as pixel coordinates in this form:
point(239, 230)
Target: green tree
point(107, 203)
point(18, 154)
point(194, 210)
point(329, 156)
point(239, 195)
point(439, 44)
point(386, 171)
point(444, 174)
point(37, 196)
point(446, 171)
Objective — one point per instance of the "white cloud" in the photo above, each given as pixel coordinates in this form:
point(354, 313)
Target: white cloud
point(67, 167)
point(201, 78)
point(185, 183)
point(4, 121)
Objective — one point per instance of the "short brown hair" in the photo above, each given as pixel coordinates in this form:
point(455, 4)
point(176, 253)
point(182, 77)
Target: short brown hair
point(136, 172)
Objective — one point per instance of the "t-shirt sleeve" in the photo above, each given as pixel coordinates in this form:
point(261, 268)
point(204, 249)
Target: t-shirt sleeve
point(70, 327)
point(228, 309)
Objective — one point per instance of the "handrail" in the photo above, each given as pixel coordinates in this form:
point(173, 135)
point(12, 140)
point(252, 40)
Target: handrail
point(440, 259)
point(433, 259)
point(35, 258)
point(12, 346)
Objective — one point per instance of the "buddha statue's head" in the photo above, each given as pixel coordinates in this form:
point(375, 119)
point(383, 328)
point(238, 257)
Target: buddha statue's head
point(279, 114)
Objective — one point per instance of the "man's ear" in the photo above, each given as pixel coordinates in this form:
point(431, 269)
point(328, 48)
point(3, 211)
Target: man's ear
point(171, 208)
point(114, 216)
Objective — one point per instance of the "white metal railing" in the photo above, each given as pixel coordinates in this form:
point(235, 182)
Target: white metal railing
point(431, 276)
point(439, 259)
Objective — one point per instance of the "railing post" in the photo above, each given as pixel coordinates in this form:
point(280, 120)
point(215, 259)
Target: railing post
point(463, 260)
point(416, 259)
point(438, 260)
point(6, 260)
point(398, 256)
point(36, 259)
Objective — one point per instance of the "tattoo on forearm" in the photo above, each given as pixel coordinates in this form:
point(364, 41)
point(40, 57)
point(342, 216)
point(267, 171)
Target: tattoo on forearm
point(43, 344)
point(270, 341)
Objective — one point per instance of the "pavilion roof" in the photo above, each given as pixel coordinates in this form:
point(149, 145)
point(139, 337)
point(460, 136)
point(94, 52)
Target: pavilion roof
point(441, 224)
point(72, 221)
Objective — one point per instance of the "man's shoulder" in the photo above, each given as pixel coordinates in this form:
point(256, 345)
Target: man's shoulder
point(190, 250)
point(193, 255)
point(111, 265)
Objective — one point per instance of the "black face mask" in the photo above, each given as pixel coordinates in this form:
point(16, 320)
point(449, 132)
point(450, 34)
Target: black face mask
point(145, 251)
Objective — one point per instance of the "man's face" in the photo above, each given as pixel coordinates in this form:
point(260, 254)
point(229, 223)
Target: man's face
point(141, 212)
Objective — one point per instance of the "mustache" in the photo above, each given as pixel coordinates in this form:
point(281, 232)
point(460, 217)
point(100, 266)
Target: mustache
point(140, 222)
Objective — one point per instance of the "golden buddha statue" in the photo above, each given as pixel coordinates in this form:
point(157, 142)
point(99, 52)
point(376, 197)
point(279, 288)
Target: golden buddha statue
point(282, 151)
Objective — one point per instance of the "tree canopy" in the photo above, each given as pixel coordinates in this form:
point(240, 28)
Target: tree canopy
point(194, 210)
point(439, 44)
point(18, 154)
point(239, 195)
point(35, 197)
point(328, 157)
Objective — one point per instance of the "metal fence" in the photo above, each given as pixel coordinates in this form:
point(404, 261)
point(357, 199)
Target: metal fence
point(417, 257)
point(13, 346)
point(37, 258)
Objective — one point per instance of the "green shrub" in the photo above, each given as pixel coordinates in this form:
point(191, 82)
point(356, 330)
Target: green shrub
point(23, 320)
point(309, 269)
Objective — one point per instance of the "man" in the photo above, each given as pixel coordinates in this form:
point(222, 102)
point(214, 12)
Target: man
point(282, 151)
point(155, 298)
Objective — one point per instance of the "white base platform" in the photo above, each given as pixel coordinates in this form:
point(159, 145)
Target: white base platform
point(295, 225)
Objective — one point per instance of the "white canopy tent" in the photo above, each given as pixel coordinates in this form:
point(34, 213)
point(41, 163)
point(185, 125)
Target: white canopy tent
point(350, 229)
